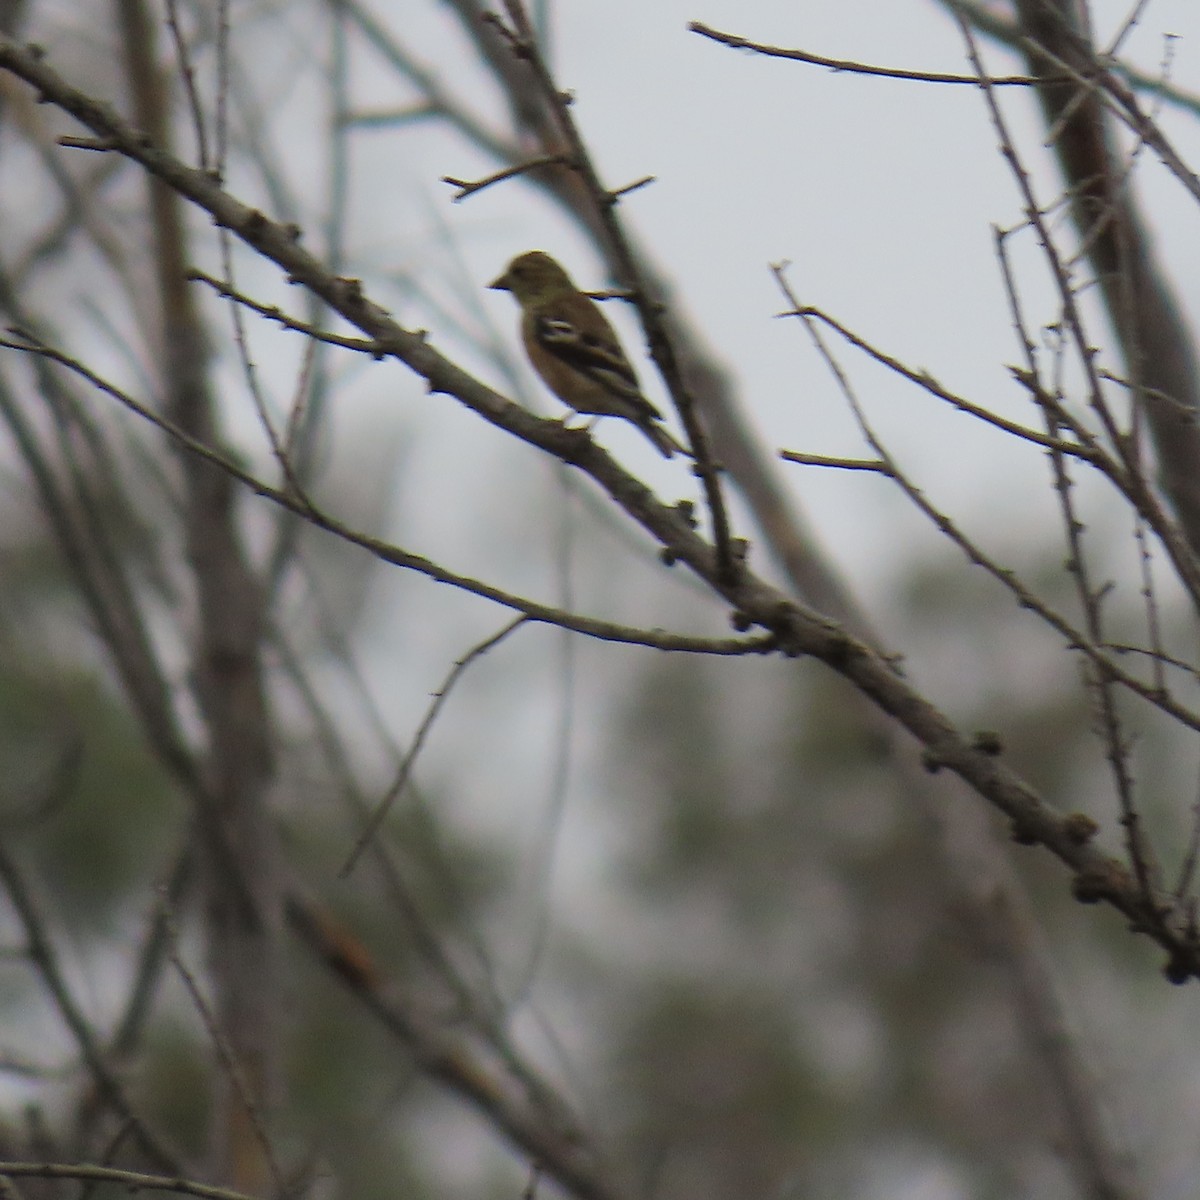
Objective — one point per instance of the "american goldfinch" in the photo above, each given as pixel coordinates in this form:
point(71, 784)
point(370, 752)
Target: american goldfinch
point(574, 349)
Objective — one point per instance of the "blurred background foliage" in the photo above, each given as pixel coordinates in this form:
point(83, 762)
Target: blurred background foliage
point(697, 893)
point(767, 985)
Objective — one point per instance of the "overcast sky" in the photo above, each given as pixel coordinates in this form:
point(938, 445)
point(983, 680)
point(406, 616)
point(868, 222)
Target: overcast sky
point(882, 195)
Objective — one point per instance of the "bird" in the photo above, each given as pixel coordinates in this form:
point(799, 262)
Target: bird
point(574, 349)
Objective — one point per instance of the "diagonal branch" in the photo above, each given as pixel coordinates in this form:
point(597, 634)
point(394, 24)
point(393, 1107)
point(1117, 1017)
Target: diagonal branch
point(799, 630)
point(44, 958)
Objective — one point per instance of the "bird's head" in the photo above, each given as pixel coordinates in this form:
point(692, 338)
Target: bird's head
point(533, 276)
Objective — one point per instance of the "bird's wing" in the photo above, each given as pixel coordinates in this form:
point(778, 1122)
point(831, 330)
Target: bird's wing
point(597, 356)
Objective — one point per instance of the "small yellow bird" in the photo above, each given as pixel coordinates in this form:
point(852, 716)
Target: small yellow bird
point(574, 349)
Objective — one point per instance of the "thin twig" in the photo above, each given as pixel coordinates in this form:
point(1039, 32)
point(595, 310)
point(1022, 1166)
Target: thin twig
point(382, 809)
point(845, 464)
point(44, 960)
point(235, 1071)
point(848, 67)
point(470, 187)
point(135, 1181)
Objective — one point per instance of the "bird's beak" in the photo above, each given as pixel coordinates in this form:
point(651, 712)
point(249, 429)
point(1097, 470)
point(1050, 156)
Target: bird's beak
point(501, 284)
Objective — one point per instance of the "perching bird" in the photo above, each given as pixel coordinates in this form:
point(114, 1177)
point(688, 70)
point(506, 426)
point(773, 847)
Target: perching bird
point(574, 349)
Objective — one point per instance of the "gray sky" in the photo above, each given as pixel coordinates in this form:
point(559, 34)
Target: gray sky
point(882, 194)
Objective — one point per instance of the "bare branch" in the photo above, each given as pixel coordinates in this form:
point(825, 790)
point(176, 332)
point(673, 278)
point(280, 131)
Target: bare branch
point(135, 1181)
point(44, 960)
point(469, 188)
point(855, 68)
point(410, 759)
